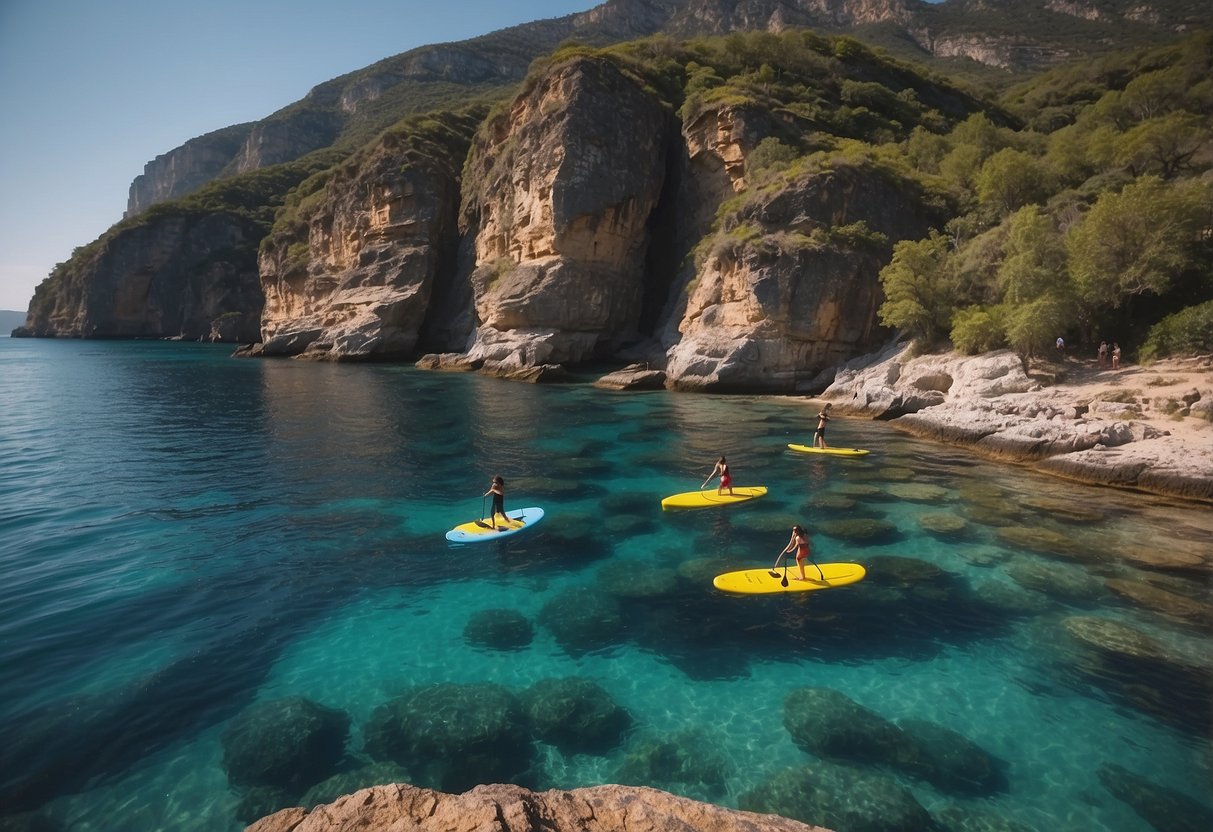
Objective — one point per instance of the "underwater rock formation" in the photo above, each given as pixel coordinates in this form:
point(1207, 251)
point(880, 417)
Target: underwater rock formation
point(452, 736)
point(286, 743)
point(842, 797)
point(575, 715)
point(499, 629)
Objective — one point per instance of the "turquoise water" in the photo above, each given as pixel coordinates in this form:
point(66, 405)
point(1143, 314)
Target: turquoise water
point(184, 535)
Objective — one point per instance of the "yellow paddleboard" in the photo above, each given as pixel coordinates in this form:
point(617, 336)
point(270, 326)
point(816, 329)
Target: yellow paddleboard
point(706, 499)
point(809, 449)
point(762, 582)
point(478, 531)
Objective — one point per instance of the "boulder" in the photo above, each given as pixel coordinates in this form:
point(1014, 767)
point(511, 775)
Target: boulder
point(286, 743)
point(596, 809)
point(583, 619)
point(453, 736)
point(841, 797)
point(1160, 806)
point(498, 629)
point(685, 760)
point(575, 715)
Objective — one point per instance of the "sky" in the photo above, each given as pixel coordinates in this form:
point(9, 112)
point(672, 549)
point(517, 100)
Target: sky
point(92, 90)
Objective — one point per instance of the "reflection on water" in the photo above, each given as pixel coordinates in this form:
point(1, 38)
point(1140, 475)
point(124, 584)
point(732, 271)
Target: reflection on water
point(227, 592)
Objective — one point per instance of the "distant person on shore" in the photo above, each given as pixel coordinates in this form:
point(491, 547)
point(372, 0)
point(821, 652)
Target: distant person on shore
point(726, 478)
point(497, 489)
point(1103, 353)
point(819, 435)
point(1115, 356)
point(1061, 346)
point(800, 543)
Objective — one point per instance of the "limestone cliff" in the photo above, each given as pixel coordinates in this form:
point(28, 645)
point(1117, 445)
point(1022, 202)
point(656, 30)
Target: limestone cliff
point(350, 274)
point(559, 192)
point(186, 168)
point(502, 808)
point(180, 275)
point(789, 285)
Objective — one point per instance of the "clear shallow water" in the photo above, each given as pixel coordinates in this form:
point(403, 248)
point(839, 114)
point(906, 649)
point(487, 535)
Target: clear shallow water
point(183, 535)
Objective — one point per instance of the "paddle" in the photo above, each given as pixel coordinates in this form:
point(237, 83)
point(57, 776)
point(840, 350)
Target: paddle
point(481, 522)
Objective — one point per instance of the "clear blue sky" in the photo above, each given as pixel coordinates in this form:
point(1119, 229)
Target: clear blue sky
point(91, 90)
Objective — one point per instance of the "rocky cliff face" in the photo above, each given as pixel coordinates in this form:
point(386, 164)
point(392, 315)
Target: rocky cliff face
point(514, 809)
point(558, 200)
point(352, 279)
point(789, 286)
point(186, 168)
point(188, 276)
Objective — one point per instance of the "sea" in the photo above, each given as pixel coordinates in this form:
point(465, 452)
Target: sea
point(187, 537)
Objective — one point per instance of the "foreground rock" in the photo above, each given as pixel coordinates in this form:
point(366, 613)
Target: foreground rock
point(1133, 428)
point(513, 809)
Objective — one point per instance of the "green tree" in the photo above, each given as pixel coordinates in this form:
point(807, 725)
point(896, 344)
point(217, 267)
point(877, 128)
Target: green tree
point(1137, 241)
point(1034, 258)
point(1031, 327)
point(1165, 146)
point(978, 329)
point(1010, 179)
point(919, 288)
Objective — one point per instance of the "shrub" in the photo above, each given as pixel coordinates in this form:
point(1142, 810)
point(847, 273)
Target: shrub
point(1186, 332)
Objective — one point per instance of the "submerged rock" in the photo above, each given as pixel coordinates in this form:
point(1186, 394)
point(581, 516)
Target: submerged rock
point(453, 736)
point(637, 579)
point(919, 492)
point(866, 530)
point(689, 758)
point(1046, 541)
point(575, 715)
point(288, 743)
point(955, 818)
point(1161, 807)
point(943, 524)
point(348, 782)
point(1162, 601)
point(1058, 580)
point(583, 619)
point(499, 629)
point(952, 762)
point(829, 724)
point(843, 798)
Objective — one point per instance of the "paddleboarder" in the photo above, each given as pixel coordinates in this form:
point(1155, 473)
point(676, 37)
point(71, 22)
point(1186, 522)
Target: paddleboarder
point(497, 489)
point(819, 436)
point(800, 543)
point(726, 478)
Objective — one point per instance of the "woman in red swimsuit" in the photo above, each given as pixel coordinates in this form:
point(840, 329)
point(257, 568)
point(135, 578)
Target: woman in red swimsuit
point(804, 551)
point(726, 479)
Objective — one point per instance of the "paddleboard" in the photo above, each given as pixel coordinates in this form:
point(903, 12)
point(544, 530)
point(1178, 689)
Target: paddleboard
point(761, 582)
point(706, 499)
point(809, 449)
point(478, 531)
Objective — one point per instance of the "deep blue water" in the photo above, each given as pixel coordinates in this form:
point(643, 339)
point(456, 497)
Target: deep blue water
point(184, 535)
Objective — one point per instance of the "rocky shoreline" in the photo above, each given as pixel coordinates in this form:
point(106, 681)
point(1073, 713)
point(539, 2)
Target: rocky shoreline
point(1145, 428)
point(506, 808)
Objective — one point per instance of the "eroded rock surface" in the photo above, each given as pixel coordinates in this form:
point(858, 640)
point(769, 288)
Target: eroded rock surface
point(507, 808)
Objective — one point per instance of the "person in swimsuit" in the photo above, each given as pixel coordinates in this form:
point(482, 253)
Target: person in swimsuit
point(819, 436)
point(726, 478)
point(804, 551)
point(497, 489)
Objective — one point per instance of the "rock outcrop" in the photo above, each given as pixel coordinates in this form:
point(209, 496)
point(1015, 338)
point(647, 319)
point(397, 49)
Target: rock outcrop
point(789, 286)
point(185, 169)
point(352, 276)
point(514, 809)
point(991, 404)
point(179, 275)
point(558, 197)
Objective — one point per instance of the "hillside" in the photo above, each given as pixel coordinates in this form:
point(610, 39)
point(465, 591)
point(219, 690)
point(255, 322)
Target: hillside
point(773, 200)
